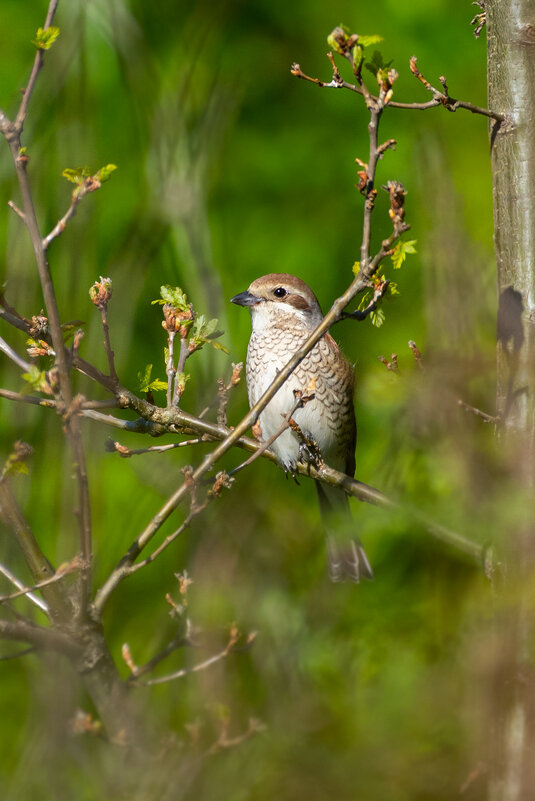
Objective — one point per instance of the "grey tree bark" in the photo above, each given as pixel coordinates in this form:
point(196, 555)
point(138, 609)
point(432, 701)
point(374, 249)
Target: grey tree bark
point(511, 82)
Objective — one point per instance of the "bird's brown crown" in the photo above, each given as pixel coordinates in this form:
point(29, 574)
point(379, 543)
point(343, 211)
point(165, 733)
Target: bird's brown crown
point(285, 288)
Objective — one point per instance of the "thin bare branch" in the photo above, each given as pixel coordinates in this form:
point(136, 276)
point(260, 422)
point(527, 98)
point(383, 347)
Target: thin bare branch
point(301, 400)
point(440, 99)
point(17, 211)
point(487, 418)
point(28, 591)
point(170, 368)
point(62, 571)
point(179, 674)
point(223, 393)
point(14, 356)
point(126, 453)
point(37, 64)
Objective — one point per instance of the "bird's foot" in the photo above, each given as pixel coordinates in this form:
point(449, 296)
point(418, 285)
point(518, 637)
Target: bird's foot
point(309, 452)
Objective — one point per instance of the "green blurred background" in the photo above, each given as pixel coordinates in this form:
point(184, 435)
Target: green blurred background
point(228, 168)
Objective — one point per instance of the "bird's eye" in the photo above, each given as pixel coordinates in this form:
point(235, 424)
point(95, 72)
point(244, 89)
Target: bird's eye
point(280, 292)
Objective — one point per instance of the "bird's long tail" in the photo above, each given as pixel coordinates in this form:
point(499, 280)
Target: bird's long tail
point(346, 557)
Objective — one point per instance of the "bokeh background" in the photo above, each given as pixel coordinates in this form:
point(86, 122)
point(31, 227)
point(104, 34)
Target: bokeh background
point(228, 168)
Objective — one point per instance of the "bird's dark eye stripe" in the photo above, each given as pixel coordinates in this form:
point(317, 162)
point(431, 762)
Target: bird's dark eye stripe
point(280, 292)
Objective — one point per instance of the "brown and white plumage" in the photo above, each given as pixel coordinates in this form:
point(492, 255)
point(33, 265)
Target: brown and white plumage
point(284, 312)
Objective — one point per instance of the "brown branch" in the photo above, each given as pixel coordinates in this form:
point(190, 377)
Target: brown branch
point(488, 418)
point(301, 400)
point(60, 226)
point(17, 211)
point(380, 291)
point(439, 98)
point(47, 639)
point(37, 64)
point(180, 641)
point(167, 541)
point(179, 674)
point(126, 453)
point(223, 391)
point(170, 368)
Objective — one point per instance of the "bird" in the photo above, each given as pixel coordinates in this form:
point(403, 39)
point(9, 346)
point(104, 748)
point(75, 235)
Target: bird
point(284, 312)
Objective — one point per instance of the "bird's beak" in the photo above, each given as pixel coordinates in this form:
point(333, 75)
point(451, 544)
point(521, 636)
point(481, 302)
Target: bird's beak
point(245, 299)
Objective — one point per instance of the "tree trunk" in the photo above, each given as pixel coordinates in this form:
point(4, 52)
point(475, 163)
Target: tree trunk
point(511, 82)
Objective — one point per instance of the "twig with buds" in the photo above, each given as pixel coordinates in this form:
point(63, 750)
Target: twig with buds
point(12, 131)
point(439, 98)
point(230, 647)
point(100, 294)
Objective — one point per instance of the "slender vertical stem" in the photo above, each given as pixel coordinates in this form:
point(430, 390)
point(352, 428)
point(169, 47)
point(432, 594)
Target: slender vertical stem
point(373, 130)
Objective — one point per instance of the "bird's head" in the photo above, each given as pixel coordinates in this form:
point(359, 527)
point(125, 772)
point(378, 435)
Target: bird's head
point(280, 298)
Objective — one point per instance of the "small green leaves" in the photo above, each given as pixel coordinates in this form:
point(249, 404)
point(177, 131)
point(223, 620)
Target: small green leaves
point(85, 180)
point(104, 173)
point(146, 385)
point(36, 379)
point(368, 41)
point(173, 295)
point(16, 461)
point(377, 64)
point(45, 38)
point(76, 175)
point(205, 332)
point(401, 251)
point(377, 317)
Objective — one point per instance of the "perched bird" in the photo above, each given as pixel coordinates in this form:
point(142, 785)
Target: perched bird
point(284, 312)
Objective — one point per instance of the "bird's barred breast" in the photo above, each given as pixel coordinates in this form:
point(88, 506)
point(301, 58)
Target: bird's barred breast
point(329, 418)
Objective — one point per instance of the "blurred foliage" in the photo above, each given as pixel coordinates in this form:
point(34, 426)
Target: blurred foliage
point(229, 168)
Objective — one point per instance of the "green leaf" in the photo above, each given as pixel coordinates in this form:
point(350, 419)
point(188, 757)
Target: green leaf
point(401, 251)
point(173, 295)
point(368, 41)
point(377, 63)
point(205, 332)
point(377, 317)
point(36, 378)
point(76, 175)
point(45, 38)
point(219, 346)
point(146, 385)
point(104, 173)
point(144, 378)
point(158, 385)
